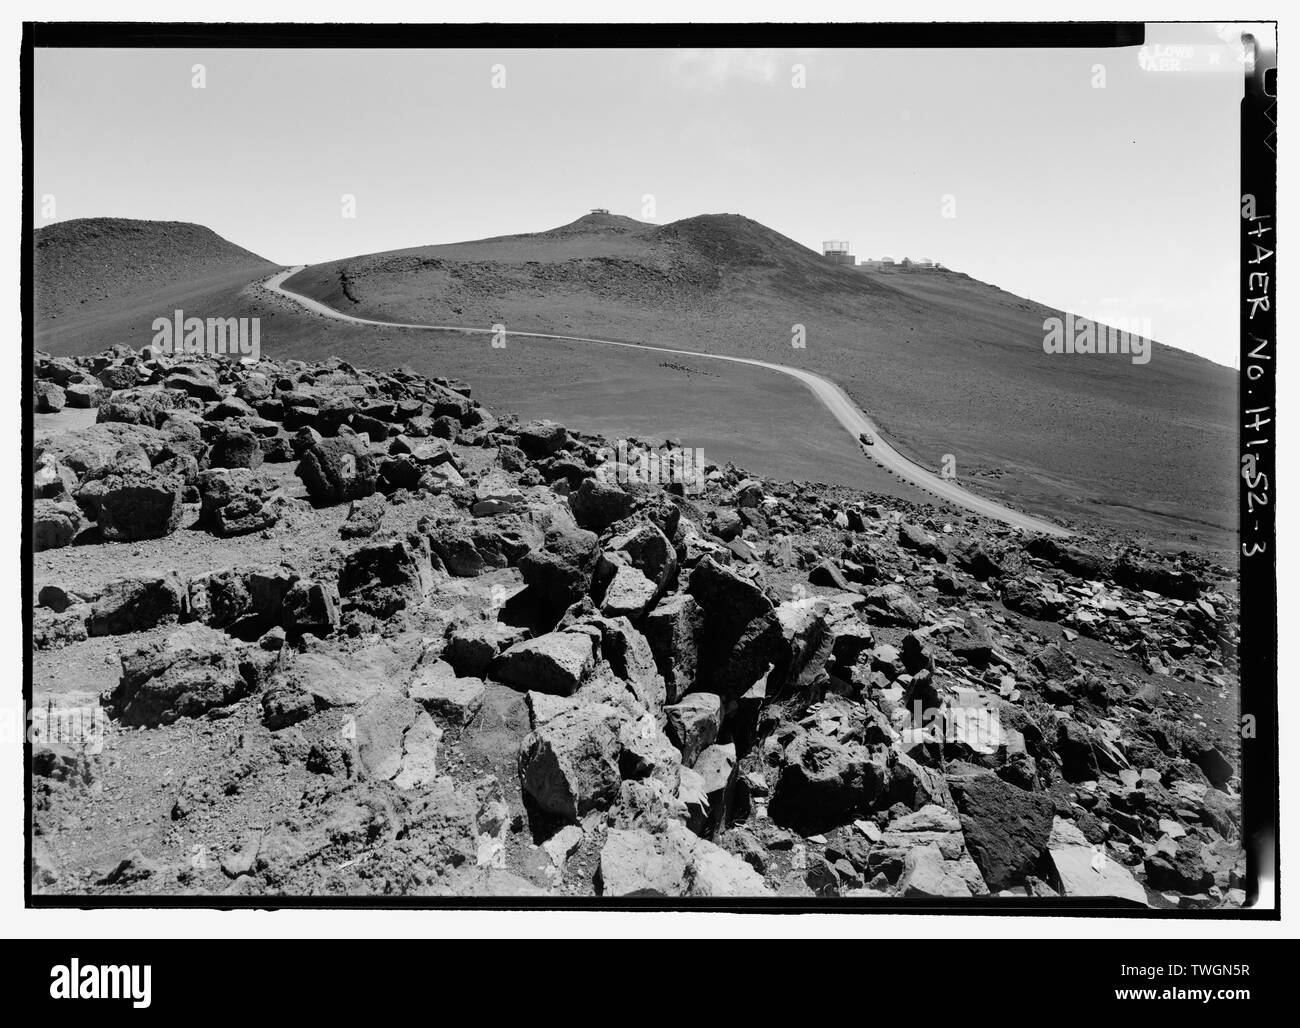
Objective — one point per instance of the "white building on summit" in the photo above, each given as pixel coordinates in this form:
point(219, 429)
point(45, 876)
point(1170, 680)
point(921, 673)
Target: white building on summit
point(837, 252)
point(875, 263)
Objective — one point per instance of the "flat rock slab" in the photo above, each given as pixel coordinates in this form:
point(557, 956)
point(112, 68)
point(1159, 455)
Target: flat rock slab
point(345, 680)
point(1085, 871)
point(436, 687)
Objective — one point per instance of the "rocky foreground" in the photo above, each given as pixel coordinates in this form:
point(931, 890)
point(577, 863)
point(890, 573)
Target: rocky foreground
point(311, 630)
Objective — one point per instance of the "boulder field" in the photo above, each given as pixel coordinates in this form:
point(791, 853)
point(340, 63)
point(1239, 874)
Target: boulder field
point(307, 629)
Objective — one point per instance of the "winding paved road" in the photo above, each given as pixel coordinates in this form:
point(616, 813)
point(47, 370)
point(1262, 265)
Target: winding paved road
point(832, 397)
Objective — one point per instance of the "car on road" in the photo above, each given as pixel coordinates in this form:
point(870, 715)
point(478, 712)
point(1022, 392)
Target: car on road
point(865, 439)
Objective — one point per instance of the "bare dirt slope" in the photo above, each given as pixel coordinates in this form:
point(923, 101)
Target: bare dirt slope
point(97, 277)
point(944, 364)
point(947, 364)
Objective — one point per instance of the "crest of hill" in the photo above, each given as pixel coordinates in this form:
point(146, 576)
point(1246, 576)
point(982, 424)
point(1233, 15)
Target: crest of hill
point(622, 260)
point(88, 261)
point(596, 223)
point(724, 239)
point(946, 363)
point(732, 239)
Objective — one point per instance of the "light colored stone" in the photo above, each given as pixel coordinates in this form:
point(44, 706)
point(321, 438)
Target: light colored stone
point(381, 726)
point(436, 687)
point(496, 494)
point(563, 844)
point(344, 682)
point(670, 863)
point(629, 593)
point(694, 722)
point(419, 753)
point(543, 706)
point(715, 872)
point(1172, 828)
point(1085, 871)
point(927, 874)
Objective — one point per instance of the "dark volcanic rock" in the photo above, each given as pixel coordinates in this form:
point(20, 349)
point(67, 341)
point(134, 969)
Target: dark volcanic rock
point(1078, 757)
point(980, 561)
point(140, 505)
point(542, 438)
point(472, 648)
point(236, 501)
point(1137, 573)
point(1184, 871)
point(742, 636)
point(827, 573)
point(1218, 768)
point(338, 469)
point(48, 398)
point(974, 645)
point(135, 605)
point(660, 677)
point(54, 524)
point(597, 505)
point(674, 630)
point(384, 577)
point(890, 605)
point(311, 607)
point(235, 447)
point(823, 782)
point(559, 573)
point(286, 704)
point(364, 517)
point(86, 394)
point(569, 766)
point(911, 537)
point(184, 676)
point(1067, 557)
point(1006, 828)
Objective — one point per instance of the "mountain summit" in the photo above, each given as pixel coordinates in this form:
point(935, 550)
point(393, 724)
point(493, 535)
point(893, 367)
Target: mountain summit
point(949, 366)
point(954, 371)
point(89, 260)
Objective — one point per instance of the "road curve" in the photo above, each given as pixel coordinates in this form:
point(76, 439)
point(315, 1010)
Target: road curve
point(832, 397)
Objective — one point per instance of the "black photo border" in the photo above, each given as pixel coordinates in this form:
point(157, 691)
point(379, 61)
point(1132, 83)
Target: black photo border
point(1258, 582)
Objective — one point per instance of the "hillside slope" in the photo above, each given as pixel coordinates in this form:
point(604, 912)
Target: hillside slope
point(948, 365)
point(108, 278)
point(750, 417)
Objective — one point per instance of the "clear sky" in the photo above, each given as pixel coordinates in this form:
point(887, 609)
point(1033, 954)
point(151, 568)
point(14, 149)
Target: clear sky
point(1113, 202)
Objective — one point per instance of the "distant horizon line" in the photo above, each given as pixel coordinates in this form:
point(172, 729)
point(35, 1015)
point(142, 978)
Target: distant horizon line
point(937, 265)
point(936, 262)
